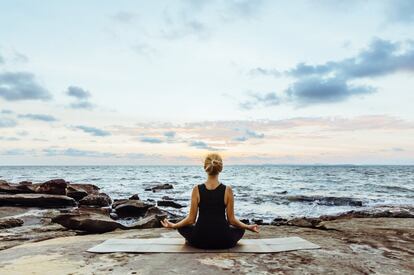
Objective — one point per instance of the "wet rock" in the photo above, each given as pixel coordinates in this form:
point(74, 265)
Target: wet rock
point(86, 187)
point(10, 222)
point(160, 187)
point(168, 198)
point(134, 197)
point(167, 203)
point(37, 200)
point(54, 187)
point(113, 216)
point(279, 221)
point(6, 187)
point(76, 194)
point(92, 223)
point(258, 221)
point(98, 200)
point(131, 208)
point(246, 221)
point(322, 200)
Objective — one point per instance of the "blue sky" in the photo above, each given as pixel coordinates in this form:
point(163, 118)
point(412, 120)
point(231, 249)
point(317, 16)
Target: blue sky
point(165, 82)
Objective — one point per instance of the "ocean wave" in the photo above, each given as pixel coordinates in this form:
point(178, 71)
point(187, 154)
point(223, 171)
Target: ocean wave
point(327, 200)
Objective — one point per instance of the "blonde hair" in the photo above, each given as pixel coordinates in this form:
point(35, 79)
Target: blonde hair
point(213, 164)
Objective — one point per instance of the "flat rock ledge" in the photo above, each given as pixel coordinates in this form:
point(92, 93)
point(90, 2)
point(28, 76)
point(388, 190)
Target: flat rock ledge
point(356, 246)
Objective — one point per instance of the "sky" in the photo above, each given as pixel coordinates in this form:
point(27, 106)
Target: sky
point(166, 82)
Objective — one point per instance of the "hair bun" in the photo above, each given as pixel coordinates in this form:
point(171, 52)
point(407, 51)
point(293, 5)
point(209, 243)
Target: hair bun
point(213, 164)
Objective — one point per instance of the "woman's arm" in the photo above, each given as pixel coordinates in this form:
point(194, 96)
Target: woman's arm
point(229, 200)
point(191, 217)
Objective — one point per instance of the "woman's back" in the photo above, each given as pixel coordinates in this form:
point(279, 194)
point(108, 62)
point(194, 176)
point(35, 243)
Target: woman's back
point(212, 227)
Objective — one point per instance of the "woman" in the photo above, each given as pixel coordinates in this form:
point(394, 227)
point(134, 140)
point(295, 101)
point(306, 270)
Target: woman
point(213, 200)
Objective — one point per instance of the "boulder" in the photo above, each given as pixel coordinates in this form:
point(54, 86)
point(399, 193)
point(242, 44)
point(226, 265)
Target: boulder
point(151, 221)
point(246, 221)
point(153, 210)
point(168, 198)
point(76, 194)
point(160, 187)
point(54, 187)
point(86, 187)
point(131, 208)
point(10, 222)
point(36, 200)
point(258, 221)
point(168, 203)
point(134, 197)
point(91, 223)
point(97, 200)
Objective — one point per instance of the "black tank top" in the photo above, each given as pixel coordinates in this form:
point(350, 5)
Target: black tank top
point(212, 227)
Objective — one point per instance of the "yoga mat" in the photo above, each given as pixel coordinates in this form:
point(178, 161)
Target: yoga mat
point(178, 245)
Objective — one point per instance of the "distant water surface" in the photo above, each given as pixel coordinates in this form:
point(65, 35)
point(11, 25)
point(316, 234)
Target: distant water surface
point(260, 191)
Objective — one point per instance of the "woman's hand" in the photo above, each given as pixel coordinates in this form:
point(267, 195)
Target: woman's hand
point(167, 224)
point(253, 228)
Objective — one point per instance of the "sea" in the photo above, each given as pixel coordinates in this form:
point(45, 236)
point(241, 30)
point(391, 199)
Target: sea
point(260, 191)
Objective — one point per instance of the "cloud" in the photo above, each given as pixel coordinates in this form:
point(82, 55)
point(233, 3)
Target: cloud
point(331, 81)
point(381, 57)
point(15, 86)
point(81, 105)
point(93, 131)
point(40, 117)
point(202, 145)
point(315, 90)
point(265, 72)
point(15, 152)
point(1, 59)
point(151, 140)
point(9, 138)
point(397, 149)
point(124, 17)
point(81, 96)
point(170, 134)
point(7, 122)
point(6, 112)
point(400, 11)
point(78, 93)
point(72, 152)
point(248, 134)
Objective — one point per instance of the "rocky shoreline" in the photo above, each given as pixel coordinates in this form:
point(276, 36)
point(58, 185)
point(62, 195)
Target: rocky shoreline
point(33, 213)
point(83, 208)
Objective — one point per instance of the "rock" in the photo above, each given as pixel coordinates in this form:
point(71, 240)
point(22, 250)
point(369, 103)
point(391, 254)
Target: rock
point(279, 221)
point(150, 200)
point(166, 203)
point(113, 216)
point(10, 222)
point(99, 200)
point(160, 187)
point(153, 210)
point(246, 221)
point(76, 194)
point(37, 200)
point(306, 222)
point(322, 200)
point(88, 188)
point(151, 221)
point(54, 187)
point(167, 198)
point(10, 188)
point(92, 223)
point(134, 197)
point(131, 208)
point(257, 221)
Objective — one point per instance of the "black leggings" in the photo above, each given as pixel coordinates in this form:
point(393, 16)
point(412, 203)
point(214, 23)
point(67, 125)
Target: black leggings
point(235, 234)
